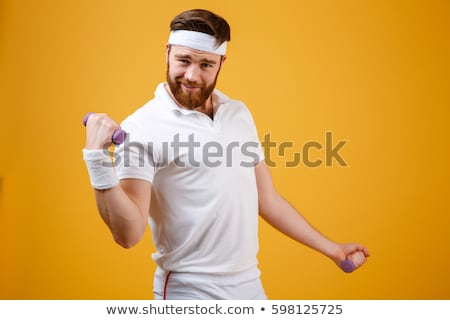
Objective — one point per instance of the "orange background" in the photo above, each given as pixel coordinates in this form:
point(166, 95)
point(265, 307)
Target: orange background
point(375, 73)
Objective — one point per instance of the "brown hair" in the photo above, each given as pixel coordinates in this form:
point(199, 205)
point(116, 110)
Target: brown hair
point(202, 21)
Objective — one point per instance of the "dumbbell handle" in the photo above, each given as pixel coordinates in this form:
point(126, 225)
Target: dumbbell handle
point(348, 266)
point(118, 136)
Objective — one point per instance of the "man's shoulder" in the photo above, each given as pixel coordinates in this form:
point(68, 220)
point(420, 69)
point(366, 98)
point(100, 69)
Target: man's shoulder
point(150, 110)
point(144, 114)
point(225, 99)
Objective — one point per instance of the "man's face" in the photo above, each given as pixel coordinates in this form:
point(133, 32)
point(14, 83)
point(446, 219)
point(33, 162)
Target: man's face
point(192, 75)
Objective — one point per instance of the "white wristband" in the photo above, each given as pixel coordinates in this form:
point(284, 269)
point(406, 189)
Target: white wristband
point(100, 168)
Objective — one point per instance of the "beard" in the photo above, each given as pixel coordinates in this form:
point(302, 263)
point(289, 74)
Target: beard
point(190, 100)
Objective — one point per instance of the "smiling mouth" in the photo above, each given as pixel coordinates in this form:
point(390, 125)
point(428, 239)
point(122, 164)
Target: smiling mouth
point(189, 87)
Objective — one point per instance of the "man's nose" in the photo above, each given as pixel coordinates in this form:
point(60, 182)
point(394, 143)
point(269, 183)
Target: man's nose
point(192, 73)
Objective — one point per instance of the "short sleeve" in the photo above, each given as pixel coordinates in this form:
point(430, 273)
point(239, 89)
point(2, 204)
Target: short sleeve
point(134, 159)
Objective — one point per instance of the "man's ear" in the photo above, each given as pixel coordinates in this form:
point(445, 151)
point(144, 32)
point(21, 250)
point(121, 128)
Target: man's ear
point(223, 59)
point(167, 53)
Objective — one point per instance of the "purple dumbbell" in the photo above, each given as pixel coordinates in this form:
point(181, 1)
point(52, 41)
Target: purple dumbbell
point(118, 136)
point(348, 266)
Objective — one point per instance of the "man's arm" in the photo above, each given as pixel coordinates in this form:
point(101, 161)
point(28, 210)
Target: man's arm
point(123, 205)
point(284, 217)
point(124, 208)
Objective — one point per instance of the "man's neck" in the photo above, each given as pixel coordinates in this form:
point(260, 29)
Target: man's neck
point(207, 108)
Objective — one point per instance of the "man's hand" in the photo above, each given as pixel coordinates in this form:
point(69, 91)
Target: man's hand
point(99, 130)
point(353, 252)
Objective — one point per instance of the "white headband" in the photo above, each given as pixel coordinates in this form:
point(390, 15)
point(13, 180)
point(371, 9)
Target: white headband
point(197, 40)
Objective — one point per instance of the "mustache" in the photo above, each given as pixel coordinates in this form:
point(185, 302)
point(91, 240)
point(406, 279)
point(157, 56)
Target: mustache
point(189, 83)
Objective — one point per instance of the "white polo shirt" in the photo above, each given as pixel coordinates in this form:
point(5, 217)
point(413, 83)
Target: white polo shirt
point(204, 205)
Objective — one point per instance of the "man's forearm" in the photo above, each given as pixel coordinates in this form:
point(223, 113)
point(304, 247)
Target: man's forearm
point(284, 217)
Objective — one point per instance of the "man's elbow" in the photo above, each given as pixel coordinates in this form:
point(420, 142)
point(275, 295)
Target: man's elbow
point(126, 242)
point(268, 204)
